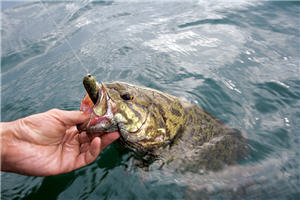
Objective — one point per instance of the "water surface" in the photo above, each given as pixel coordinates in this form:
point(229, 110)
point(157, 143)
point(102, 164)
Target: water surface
point(238, 60)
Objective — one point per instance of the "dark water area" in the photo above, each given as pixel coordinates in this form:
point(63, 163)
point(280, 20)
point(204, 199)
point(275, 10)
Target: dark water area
point(237, 60)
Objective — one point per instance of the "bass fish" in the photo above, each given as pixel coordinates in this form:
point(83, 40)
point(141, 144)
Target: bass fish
point(159, 126)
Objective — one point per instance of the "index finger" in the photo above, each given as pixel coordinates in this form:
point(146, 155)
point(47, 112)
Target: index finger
point(109, 138)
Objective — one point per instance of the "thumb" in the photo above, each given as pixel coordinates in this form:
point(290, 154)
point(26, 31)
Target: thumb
point(70, 118)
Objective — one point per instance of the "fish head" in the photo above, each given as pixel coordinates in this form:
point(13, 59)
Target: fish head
point(147, 119)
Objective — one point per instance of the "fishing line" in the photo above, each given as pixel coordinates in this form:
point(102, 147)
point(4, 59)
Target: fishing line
point(65, 38)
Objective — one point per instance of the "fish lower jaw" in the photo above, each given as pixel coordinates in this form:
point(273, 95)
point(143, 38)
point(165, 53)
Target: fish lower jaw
point(96, 128)
point(106, 128)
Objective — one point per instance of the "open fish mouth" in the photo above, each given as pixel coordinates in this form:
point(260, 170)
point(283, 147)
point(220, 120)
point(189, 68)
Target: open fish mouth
point(101, 119)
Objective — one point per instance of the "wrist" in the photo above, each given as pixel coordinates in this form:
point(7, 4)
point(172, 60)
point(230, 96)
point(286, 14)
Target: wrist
point(8, 142)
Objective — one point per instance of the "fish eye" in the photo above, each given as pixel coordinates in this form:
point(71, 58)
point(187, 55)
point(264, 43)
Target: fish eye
point(127, 96)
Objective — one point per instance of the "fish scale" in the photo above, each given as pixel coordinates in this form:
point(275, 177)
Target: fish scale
point(162, 127)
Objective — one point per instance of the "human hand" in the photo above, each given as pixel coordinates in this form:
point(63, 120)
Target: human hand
point(49, 143)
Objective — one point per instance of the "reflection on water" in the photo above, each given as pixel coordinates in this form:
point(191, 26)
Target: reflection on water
point(239, 61)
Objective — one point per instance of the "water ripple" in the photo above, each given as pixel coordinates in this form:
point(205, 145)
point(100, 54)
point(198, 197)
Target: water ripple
point(239, 61)
point(207, 21)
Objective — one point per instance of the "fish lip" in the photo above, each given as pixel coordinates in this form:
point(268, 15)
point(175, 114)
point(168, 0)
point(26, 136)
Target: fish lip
point(91, 126)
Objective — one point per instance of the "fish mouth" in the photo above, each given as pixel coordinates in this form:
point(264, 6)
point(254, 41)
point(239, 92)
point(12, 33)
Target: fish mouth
point(101, 119)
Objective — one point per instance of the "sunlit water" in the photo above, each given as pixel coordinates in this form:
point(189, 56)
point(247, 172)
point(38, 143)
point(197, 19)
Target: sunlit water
point(239, 61)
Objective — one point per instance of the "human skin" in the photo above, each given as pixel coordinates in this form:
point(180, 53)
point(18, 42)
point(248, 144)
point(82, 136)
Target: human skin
point(49, 143)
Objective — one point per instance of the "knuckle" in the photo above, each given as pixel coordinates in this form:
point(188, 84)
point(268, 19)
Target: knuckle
point(54, 110)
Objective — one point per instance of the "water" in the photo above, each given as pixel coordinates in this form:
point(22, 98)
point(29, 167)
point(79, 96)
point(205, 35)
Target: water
point(238, 60)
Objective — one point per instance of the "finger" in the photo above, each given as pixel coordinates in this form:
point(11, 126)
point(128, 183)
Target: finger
point(70, 134)
point(84, 147)
point(108, 138)
point(87, 137)
point(93, 151)
point(75, 117)
point(93, 135)
point(70, 118)
point(83, 138)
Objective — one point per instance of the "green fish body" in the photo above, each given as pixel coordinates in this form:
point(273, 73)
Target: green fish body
point(159, 126)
